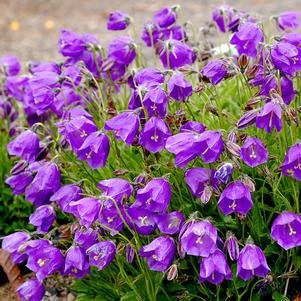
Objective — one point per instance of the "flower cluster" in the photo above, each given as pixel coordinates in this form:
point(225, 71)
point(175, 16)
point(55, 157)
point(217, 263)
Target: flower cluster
point(158, 163)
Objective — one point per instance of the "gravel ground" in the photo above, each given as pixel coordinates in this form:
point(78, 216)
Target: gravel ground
point(30, 29)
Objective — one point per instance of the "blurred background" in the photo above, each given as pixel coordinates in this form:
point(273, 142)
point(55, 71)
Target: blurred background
point(30, 28)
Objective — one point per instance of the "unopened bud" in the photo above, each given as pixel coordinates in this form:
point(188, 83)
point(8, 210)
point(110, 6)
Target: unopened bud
point(130, 253)
point(172, 272)
point(247, 119)
point(19, 167)
point(243, 61)
point(224, 172)
point(232, 246)
point(252, 71)
point(206, 195)
point(248, 182)
point(233, 148)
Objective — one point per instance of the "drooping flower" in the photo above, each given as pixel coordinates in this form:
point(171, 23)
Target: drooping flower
point(85, 238)
point(210, 146)
point(122, 50)
point(95, 150)
point(65, 195)
point(286, 57)
point(141, 220)
point(124, 125)
point(253, 152)
point(215, 268)
point(46, 182)
point(288, 21)
point(175, 54)
point(43, 218)
point(159, 253)
point(193, 126)
point(154, 135)
point(170, 223)
point(86, 210)
point(224, 172)
point(155, 196)
point(222, 16)
point(101, 254)
point(291, 166)
point(76, 263)
point(19, 182)
point(215, 71)
point(251, 262)
point(269, 117)
point(110, 219)
point(174, 33)
point(45, 261)
point(77, 129)
point(150, 34)
point(231, 244)
point(116, 188)
point(71, 44)
point(178, 87)
point(236, 197)
point(26, 146)
point(247, 39)
point(286, 230)
point(166, 17)
point(155, 101)
point(10, 65)
point(118, 21)
point(199, 180)
point(11, 243)
point(199, 238)
point(31, 290)
point(148, 77)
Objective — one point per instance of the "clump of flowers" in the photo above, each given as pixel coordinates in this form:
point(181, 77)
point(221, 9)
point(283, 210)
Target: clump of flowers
point(187, 172)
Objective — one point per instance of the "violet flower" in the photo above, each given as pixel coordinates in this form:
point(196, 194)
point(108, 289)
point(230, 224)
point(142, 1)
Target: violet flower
point(155, 196)
point(122, 50)
point(199, 238)
point(45, 261)
point(25, 145)
point(159, 253)
point(155, 101)
point(148, 77)
point(286, 230)
point(46, 182)
point(95, 150)
point(269, 117)
point(154, 135)
point(288, 21)
point(118, 21)
point(85, 238)
point(248, 38)
point(109, 217)
point(215, 268)
point(65, 195)
point(101, 254)
point(174, 54)
point(76, 262)
point(43, 218)
point(291, 166)
point(32, 290)
point(251, 262)
point(170, 223)
point(19, 182)
point(124, 125)
point(166, 17)
point(236, 197)
point(150, 34)
point(253, 152)
point(116, 188)
point(10, 65)
point(222, 16)
point(179, 88)
point(11, 243)
point(215, 71)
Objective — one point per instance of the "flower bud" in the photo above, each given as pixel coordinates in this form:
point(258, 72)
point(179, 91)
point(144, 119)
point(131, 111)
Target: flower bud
point(248, 182)
point(243, 61)
point(232, 246)
point(206, 195)
point(251, 103)
point(130, 253)
point(232, 136)
point(252, 71)
point(233, 148)
point(172, 272)
point(224, 172)
point(19, 167)
point(247, 119)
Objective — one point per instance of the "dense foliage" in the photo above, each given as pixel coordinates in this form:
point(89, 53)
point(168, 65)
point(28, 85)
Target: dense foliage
point(176, 178)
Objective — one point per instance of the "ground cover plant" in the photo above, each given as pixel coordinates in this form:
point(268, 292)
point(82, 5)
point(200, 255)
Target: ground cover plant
point(175, 177)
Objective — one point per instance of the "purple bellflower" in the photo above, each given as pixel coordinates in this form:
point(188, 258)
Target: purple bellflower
point(43, 218)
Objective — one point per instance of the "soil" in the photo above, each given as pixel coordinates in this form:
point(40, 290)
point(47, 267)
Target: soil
point(30, 29)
